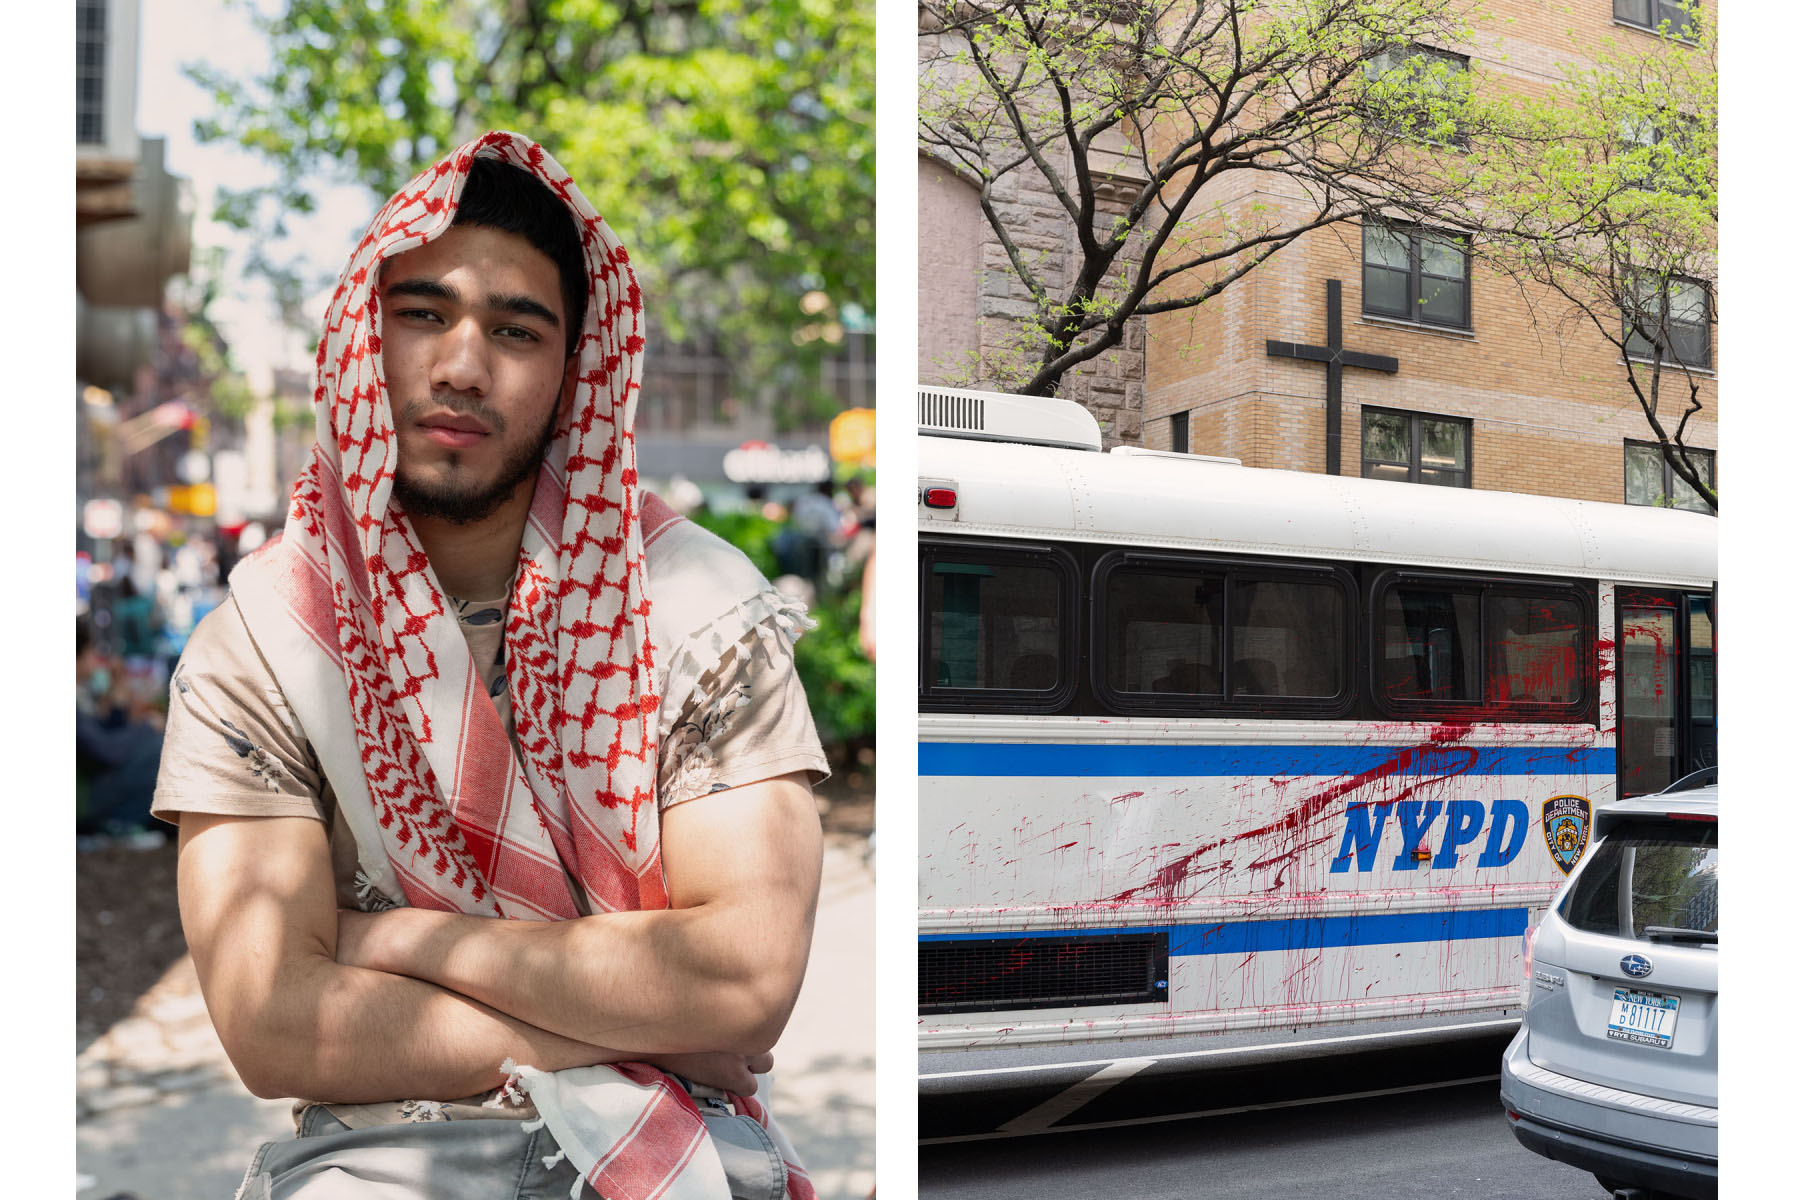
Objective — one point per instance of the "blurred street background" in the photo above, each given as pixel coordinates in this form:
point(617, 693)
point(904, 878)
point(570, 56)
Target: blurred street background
point(228, 156)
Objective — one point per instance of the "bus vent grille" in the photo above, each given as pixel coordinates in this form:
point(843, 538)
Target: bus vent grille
point(940, 411)
point(993, 974)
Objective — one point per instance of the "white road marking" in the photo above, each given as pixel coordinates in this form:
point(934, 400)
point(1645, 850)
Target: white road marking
point(1069, 1099)
point(1426, 1034)
point(1210, 1112)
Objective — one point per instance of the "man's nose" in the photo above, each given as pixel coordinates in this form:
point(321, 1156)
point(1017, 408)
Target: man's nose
point(461, 364)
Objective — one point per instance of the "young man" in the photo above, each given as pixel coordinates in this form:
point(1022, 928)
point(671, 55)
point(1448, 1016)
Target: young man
point(481, 676)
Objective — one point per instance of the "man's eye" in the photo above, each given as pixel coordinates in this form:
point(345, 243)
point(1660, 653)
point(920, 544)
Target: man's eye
point(417, 314)
point(517, 332)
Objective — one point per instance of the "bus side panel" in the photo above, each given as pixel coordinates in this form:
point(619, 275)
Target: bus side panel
point(1365, 878)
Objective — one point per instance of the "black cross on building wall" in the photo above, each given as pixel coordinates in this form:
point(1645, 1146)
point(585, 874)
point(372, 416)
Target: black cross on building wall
point(1335, 358)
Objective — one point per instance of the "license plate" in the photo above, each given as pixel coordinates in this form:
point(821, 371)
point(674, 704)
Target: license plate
point(1643, 1018)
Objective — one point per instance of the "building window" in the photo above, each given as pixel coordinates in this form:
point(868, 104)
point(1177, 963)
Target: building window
point(90, 72)
point(1178, 433)
point(1415, 447)
point(1419, 91)
point(1674, 315)
point(1656, 149)
point(1415, 274)
point(1649, 14)
point(1651, 480)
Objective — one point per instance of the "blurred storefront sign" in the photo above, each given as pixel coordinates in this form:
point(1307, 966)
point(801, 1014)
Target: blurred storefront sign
point(759, 462)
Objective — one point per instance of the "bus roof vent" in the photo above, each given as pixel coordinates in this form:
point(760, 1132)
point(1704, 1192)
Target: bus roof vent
point(1002, 417)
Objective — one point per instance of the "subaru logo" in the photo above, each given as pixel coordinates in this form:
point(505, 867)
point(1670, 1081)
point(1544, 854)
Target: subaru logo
point(1635, 965)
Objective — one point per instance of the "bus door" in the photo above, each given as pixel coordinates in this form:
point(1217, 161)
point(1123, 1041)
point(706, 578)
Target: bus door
point(1666, 687)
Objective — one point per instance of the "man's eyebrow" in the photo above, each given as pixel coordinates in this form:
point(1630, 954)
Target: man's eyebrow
point(524, 306)
point(429, 289)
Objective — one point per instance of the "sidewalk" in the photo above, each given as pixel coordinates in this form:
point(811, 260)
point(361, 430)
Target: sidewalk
point(161, 1115)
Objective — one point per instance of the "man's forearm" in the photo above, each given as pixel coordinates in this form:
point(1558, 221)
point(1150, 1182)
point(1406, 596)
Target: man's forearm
point(678, 980)
point(331, 1032)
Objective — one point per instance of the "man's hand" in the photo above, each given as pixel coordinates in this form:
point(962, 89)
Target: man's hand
point(734, 1073)
point(717, 970)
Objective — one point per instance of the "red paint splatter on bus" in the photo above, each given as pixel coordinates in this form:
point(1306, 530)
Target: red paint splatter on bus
point(1435, 755)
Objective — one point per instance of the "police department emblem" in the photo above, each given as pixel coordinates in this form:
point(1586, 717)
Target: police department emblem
point(1566, 825)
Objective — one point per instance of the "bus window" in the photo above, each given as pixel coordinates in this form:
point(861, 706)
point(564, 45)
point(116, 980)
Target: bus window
point(1431, 644)
point(994, 625)
point(1288, 637)
point(1164, 631)
point(1536, 649)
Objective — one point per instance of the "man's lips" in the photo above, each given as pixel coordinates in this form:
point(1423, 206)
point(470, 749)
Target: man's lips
point(452, 429)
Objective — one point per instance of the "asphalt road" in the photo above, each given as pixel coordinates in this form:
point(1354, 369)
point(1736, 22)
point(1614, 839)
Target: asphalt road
point(1381, 1117)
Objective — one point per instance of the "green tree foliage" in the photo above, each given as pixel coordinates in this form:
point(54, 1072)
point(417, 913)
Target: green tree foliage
point(1184, 142)
point(730, 142)
point(1602, 198)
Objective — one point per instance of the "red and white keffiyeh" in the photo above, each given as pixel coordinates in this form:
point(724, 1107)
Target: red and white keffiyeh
point(351, 619)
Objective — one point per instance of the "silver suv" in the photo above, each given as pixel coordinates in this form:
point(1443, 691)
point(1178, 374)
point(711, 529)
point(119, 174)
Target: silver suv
point(1615, 1068)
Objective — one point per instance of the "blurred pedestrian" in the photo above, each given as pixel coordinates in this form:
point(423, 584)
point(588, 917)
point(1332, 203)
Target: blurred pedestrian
point(817, 527)
point(118, 744)
point(138, 632)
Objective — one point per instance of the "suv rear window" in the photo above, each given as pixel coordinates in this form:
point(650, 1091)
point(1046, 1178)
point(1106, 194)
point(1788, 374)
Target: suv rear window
point(1651, 881)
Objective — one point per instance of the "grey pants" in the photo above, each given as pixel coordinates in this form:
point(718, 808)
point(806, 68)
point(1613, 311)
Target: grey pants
point(470, 1160)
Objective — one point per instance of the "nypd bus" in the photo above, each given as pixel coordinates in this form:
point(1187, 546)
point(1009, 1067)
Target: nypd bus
point(1205, 747)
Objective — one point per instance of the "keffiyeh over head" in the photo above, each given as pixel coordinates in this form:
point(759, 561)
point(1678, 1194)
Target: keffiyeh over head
point(464, 827)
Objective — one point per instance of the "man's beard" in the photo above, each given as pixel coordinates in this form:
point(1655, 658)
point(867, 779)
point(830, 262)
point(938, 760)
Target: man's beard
point(465, 504)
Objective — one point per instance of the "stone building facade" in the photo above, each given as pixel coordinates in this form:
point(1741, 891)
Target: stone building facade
point(973, 305)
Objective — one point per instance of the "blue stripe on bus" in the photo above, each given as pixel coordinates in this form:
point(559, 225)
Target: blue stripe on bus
point(1150, 760)
point(1301, 933)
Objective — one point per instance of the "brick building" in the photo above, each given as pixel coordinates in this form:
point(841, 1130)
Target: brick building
point(1495, 387)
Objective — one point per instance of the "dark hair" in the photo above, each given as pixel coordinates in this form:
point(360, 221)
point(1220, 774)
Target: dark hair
point(498, 195)
point(84, 635)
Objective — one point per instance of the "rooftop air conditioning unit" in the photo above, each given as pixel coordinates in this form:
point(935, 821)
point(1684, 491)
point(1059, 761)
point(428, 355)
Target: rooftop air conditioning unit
point(1003, 417)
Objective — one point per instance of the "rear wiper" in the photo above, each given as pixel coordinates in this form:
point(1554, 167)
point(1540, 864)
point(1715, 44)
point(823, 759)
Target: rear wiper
point(1671, 933)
